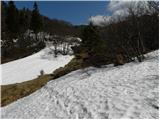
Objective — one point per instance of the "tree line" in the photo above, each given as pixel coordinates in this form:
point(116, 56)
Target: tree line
point(123, 39)
point(20, 25)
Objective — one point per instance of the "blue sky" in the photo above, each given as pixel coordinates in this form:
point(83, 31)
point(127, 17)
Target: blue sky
point(75, 12)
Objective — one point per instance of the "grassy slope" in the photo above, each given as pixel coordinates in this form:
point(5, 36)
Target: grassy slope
point(10, 93)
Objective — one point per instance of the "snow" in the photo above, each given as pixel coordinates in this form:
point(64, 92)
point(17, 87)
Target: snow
point(128, 91)
point(29, 68)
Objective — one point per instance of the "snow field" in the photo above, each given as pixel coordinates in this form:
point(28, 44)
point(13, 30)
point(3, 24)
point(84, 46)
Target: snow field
point(128, 91)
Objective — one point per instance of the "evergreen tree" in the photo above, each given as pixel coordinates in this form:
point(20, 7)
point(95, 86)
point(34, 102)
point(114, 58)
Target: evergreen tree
point(12, 19)
point(23, 41)
point(93, 45)
point(23, 21)
point(36, 21)
point(3, 17)
point(12, 25)
point(3, 27)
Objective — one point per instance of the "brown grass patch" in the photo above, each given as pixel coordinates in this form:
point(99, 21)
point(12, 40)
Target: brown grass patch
point(13, 92)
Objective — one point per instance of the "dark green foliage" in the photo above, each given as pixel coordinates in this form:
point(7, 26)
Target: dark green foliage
point(3, 17)
point(3, 26)
point(23, 20)
point(91, 40)
point(36, 20)
point(58, 27)
point(11, 19)
point(92, 49)
point(10, 15)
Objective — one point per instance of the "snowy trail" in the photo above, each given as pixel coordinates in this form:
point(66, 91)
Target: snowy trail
point(29, 68)
point(128, 91)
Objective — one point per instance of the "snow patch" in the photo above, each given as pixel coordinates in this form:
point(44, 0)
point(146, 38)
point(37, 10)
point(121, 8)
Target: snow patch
point(29, 67)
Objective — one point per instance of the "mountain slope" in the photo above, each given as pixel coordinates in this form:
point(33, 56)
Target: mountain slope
point(128, 91)
point(29, 67)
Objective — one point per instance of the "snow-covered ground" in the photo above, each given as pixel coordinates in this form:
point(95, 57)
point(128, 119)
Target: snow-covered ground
point(29, 68)
point(128, 91)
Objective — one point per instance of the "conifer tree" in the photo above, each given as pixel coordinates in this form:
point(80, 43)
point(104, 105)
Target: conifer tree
point(12, 19)
point(12, 25)
point(23, 21)
point(36, 21)
point(3, 18)
point(93, 45)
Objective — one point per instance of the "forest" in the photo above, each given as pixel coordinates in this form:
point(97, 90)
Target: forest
point(23, 31)
point(121, 40)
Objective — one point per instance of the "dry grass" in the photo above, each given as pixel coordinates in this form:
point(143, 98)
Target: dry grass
point(13, 92)
point(73, 65)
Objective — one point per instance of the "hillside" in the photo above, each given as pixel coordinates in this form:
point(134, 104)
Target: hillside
point(128, 91)
point(15, 44)
point(29, 67)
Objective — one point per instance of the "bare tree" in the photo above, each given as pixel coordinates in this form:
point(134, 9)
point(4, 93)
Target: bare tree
point(135, 24)
point(153, 7)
